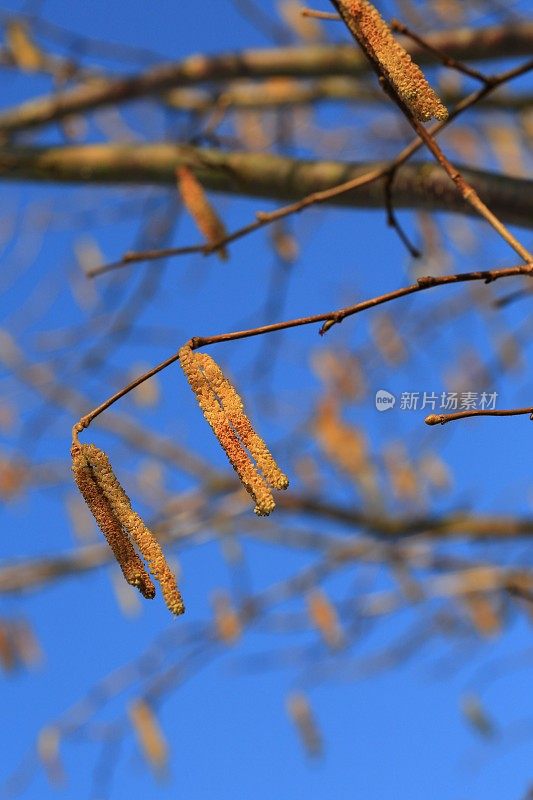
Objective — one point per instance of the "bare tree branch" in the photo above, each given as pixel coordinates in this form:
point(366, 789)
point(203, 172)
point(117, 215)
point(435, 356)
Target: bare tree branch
point(267, 176)
point(310, 61)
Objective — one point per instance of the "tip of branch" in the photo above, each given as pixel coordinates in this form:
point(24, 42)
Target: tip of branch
point(434, 419)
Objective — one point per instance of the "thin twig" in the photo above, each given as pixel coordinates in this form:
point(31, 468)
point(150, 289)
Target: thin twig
point(452, 63)
point(310, 12)
point(329, 319)
point(442, 419)
point(392, 219)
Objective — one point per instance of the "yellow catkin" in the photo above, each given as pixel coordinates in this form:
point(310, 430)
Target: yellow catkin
point(324, 616)
point(22, 49)
point(227, 622)
point(374, 35)
point(197, 204)
point(233, 406)
point(483, 612)
point(149, 734)
point(130, 563)
point(134, 526)
point(215, 415)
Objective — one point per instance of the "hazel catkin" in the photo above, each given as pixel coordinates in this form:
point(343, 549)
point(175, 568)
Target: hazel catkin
point(223, 410)
point(134, 526)
point(234, 410)
point(130, 563)
point(197, 204)
point(375, 37)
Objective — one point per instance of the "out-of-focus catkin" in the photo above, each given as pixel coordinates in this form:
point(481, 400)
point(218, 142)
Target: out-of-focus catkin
point(108, 522)
point(483, 612)
point(375, 37)
point(227, 622)
point(48, 742)
point(149, 547)
point(149, 734)
point(223, 409)
point(300, 712)
point(197, 204)
point(324, 616)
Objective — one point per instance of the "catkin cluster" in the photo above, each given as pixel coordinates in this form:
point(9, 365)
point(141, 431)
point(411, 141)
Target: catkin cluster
point(122, 527)
point(224, 411)
point(375, 37)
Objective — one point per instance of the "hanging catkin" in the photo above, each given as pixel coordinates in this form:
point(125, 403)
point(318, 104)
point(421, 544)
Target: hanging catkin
point(197, 204)
point(234, 409)
point(228, 422)
point(134, 526)
point(130, 563)
point(375, 37)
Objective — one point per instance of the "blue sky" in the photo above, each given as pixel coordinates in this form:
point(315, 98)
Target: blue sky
point(398, 735)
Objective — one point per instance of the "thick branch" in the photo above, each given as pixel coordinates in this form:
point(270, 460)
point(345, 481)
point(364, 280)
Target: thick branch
point(310, 61)
point(267, 176)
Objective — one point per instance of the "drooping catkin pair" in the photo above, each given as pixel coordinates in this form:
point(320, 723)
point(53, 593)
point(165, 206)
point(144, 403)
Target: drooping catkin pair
point(122, 527)
point(224, 411)
point(375, 37)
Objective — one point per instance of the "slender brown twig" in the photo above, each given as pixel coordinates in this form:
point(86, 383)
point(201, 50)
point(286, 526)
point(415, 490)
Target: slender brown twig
point(328, 319)
point(442, 419)
point(310, 12)
point(447, 60)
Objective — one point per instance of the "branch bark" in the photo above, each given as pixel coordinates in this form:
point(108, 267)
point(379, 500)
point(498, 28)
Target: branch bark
point(33, 574)
point(262, 175)
point(309, 61)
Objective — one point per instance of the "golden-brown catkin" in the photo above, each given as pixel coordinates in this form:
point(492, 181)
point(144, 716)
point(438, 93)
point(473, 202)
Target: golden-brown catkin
point(233, 406)
point(22, 48)
point(149, 733)
point(197, 204)
point(132, 523)
point(227, 621)
point(375, 37)
point(191, 363)
point(324, 616)
point(130, 563)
